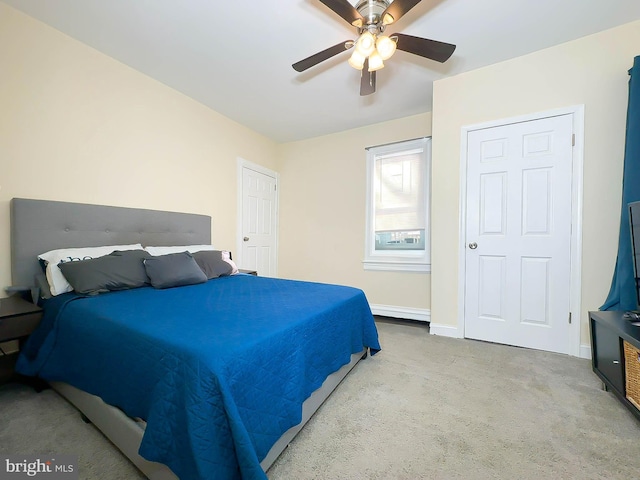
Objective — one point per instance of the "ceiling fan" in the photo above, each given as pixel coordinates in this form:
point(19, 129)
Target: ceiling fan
point(371, 17)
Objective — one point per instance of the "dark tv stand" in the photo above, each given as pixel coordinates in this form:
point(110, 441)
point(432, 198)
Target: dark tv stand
point(608, 330)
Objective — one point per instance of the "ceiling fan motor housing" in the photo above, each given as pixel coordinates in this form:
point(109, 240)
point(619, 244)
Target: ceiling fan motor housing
point(371, 10)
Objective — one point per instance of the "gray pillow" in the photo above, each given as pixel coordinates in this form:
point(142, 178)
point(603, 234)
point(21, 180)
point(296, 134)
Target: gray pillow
point(120, 270)
point(43, 285)
point(212, 263)
point(173, 270)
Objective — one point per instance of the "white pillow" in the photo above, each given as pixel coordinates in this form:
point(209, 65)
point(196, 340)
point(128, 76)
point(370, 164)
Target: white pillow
point(157, 251)
point(57, 283)
point(226, 256)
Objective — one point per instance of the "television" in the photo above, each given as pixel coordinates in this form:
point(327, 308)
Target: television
point(634, 224)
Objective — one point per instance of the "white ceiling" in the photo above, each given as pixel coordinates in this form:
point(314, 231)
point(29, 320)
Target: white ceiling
point(236, 56)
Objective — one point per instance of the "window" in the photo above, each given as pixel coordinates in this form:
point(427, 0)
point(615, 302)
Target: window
point(397, 236)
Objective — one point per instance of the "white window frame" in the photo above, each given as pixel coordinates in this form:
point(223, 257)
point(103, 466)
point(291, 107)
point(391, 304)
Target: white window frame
point(394, 260)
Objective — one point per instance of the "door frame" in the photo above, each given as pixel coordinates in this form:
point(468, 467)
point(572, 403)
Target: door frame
point(577, 112)
point(241, 164)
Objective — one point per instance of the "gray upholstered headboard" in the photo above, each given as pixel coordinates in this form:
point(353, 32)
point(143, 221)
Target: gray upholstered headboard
point(38, 226)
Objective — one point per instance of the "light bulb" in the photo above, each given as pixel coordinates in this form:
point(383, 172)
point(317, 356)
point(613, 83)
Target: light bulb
point(375, 62)
point(357, 60)
point(366, 44)
point(387, 19)
point(386, 47)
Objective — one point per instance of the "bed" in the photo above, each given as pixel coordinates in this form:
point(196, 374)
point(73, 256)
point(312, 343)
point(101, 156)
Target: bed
point(211, 380)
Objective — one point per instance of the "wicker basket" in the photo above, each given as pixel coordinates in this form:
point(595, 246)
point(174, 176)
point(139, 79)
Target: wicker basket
point(632, 375)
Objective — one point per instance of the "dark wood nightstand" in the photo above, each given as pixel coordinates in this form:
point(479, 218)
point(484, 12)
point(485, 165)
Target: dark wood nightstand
point(250, 272)
point(18, 318)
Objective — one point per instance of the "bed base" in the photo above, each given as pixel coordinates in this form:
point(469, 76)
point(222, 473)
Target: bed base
point(126, 433)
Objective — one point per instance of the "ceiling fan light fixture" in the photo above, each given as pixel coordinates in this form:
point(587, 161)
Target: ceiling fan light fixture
point(375, 62)
point(366, 44)
point(385, 46)
point(387, 19)
point(357, 60)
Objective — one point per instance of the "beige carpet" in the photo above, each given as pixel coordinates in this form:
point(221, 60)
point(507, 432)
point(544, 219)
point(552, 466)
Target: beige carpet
point(425, 407)
point(440, 408)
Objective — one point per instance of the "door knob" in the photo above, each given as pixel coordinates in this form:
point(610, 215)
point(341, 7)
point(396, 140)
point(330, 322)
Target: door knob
point(473, 245)
point(246, 239)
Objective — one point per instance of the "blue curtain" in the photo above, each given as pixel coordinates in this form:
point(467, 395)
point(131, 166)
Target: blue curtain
point(622, 295)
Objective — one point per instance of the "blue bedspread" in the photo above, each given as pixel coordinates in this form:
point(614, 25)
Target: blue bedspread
point(219, 370)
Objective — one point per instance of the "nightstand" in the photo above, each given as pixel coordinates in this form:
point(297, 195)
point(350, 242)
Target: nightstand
point(249, 272)
point(18, 318)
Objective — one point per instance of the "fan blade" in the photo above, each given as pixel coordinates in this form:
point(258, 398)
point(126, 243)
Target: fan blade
point(309, 62)
point(397, 9)
point(432, 49)
point(346, 11)
point(367, 80)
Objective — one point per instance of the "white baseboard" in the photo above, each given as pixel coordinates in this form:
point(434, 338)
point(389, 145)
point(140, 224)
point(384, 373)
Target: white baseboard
point(450, 331)
point(409, 313)
point(420, 314)
point(424, 315)
point(444, 330)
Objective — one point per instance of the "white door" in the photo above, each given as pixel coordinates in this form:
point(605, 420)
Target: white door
point(518, 234)
point(259, 210)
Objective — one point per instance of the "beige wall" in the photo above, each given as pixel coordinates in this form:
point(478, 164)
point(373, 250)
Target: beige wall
point(322, 212)
point(590, 71)
point(76, 125)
